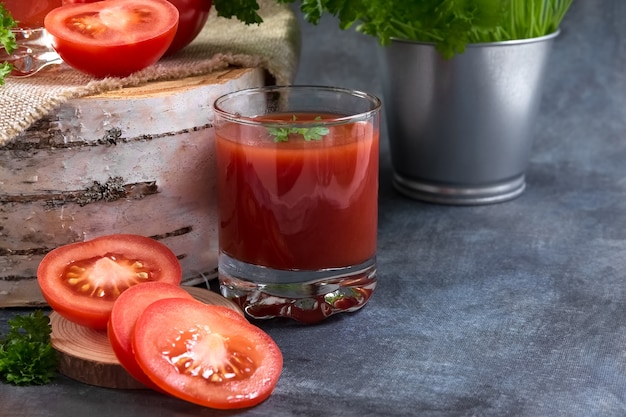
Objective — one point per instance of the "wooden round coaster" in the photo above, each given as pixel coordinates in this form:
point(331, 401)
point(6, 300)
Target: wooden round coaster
point(86, 354)
point(210, 297)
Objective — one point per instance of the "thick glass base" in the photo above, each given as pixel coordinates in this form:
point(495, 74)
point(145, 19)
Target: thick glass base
point(305, 296)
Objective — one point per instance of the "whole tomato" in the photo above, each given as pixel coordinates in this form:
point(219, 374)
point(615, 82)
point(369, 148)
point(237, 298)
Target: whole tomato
point(193, 15)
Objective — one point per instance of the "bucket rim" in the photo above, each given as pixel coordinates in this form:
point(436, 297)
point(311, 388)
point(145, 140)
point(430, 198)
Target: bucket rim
point(542, 38)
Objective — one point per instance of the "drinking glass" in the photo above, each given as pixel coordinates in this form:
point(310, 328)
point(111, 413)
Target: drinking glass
point(34, 50)
point(298, 199)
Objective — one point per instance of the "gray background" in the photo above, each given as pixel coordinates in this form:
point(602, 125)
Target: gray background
point(515, 309)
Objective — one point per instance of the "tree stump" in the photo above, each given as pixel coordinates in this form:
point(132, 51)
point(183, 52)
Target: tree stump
point(137, 160)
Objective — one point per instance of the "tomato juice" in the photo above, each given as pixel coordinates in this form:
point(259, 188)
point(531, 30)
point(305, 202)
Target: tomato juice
point(297, 204)
point(30, 14)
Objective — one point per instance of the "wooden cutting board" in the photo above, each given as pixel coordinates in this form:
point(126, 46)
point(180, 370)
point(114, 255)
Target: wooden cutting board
point(87, 356)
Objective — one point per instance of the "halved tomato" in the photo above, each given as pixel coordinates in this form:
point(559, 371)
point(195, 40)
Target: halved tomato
point(193, 352)
point(126, 310)
point(112, 37)
point(193, 15)
point(81, 281)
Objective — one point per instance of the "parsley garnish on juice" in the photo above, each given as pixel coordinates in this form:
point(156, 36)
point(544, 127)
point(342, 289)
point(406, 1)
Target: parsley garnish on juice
point(281, 134)
point(26, 354)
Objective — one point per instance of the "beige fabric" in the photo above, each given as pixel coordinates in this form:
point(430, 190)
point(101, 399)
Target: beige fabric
point(274, 45)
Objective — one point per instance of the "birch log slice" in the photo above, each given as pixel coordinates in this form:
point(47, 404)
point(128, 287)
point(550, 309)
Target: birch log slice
point(87, 356)
point(137, 160)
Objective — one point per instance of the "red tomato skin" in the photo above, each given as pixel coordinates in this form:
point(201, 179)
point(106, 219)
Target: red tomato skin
point(162, 321)
point(126, 310)
point(193, 15)
point(109, 59)
point(91, 311)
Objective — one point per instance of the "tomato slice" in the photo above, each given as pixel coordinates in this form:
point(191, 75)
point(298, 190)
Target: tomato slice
point(192, 351)
point(81, 281)
point(112, 37)
point(126, 310)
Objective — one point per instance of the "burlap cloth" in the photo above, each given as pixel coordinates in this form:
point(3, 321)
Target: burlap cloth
point(274, 45)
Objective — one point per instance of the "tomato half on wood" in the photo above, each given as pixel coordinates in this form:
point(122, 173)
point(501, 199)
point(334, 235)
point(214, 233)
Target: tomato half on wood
point(193, 15)
point(126, 310)
point(193, 352)
point(113, 37)
point(81, 281)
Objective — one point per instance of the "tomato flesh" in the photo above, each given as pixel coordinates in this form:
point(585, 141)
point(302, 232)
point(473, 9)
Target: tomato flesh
point(105, 276)
point(192, 351)
point(81, 281)
point(112, 37)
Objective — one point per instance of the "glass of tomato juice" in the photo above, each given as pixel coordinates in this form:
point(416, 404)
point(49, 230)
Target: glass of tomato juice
point(34, 50)
point(298, 199)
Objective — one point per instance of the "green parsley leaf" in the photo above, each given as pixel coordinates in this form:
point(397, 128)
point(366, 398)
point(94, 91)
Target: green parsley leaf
point(243, 10)
point(26, 354)
point(7, 39)
point(281, 134)
point(449, 24)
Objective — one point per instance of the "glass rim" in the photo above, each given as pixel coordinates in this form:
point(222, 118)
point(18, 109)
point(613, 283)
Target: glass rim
point(376, 105)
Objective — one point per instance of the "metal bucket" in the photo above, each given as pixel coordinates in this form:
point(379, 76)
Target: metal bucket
point(461, 129)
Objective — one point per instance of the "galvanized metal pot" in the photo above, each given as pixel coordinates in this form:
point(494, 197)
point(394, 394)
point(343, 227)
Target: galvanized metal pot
point(461, 129)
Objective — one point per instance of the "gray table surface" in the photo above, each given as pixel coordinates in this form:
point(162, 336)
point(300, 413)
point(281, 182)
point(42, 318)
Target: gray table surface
point(514, 309)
